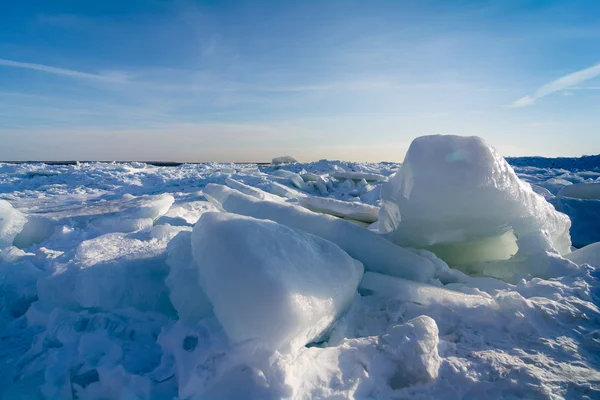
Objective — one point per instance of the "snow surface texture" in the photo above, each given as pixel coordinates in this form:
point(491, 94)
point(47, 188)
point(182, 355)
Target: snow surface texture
point(101, 297)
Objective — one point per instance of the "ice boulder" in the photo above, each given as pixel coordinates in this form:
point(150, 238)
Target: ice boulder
point(453, 189)
point(11, 223)
point(279, 286)
point(284, 160)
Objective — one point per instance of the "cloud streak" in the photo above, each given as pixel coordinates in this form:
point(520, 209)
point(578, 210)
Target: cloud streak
point(114, 77)
point(559, 84)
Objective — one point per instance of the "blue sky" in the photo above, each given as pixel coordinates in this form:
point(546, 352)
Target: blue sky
point(247, 81)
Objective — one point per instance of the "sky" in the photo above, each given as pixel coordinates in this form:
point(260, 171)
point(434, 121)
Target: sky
point(248, 81)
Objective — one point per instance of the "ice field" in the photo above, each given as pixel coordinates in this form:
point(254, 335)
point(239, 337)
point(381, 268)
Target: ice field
point(455, 275)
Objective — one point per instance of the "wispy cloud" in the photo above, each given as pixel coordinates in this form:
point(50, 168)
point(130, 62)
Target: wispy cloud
point(115, 77)
point(559, 84)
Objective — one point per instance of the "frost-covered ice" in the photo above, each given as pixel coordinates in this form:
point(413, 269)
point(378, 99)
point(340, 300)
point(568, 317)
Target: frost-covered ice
point(101, 295)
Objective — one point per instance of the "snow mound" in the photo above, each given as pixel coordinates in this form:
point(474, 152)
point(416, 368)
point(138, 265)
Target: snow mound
point(11, 223)
point(284, 160)
point(453, 189)
point(414, 346)
point(281, 287)
point(375, 252)
point(585, 191)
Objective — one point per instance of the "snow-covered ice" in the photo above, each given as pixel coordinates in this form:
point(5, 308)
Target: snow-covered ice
point(133, 281)
point(278, 286)
point(455, 189)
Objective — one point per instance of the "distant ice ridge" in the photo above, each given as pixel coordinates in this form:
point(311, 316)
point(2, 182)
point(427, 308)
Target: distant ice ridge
point(455, 190)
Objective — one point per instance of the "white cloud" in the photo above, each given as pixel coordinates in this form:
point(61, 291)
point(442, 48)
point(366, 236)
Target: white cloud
point(106, 77)
point(559, 84)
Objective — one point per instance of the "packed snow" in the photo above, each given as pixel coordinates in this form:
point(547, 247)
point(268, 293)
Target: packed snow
point(454, 275)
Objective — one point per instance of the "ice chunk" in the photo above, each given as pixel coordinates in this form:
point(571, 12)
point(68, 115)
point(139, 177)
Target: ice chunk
point(456, 189)
point(271, 283)
point(586, 191)
point(284, 191)
point(317, 180)
point(357, 176)
point(283, 160)
point(11, 223)
point(251, 191)
point(415, 292)
point(296, 180)
point(185, 292)
point(375, 252)
point(356, 211)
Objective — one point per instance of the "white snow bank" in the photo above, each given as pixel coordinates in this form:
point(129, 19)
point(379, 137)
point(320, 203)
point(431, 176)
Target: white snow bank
point(283, 160)
point(589, 254)
point(267, 282)
point(357, 176)
point(11, 223)
point(353, 210)
point(456, 189)
point(586, 191)
point(375, 252)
